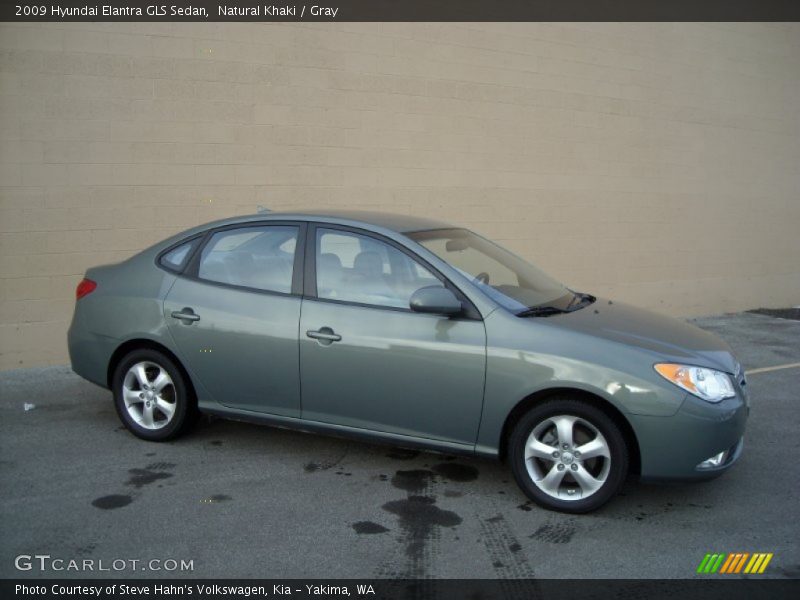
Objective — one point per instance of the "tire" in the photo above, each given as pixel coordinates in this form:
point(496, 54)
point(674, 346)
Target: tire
point(552, 475)
point(160, 409)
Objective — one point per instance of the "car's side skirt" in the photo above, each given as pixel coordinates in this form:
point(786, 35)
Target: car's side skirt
point(379, 437)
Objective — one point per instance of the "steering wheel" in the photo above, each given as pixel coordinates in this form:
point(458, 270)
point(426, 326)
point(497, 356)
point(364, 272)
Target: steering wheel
point(482, 277)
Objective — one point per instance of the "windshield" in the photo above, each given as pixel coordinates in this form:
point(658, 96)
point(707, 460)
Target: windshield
point(506, 278)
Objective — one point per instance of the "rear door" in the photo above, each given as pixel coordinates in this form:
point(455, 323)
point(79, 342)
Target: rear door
point(234, 315)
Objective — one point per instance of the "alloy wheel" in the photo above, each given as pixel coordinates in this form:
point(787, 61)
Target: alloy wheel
point(149, 395)
point(567, 457)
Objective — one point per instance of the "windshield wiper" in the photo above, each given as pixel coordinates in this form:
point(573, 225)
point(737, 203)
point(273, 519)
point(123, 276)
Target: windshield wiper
point(577, 302)
point(578, 299)
point(540, 311)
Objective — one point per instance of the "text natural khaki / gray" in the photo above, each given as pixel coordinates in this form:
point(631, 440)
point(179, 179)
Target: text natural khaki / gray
point(270, 10)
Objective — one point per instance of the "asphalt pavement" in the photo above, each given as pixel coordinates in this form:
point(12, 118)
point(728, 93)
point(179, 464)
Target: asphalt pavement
point(241, 500)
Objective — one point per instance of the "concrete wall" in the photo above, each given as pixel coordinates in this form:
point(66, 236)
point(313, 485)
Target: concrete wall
point(656, 163)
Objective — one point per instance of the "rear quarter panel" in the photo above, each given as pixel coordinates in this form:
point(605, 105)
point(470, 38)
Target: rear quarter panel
point(126, 305)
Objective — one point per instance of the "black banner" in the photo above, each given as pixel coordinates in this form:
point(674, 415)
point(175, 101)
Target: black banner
point(705, 588)
point(404, 10)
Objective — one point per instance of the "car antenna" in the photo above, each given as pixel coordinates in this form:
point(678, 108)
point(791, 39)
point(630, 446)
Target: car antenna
point(261, 209)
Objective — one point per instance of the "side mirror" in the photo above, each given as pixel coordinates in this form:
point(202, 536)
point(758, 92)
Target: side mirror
point(435, 300)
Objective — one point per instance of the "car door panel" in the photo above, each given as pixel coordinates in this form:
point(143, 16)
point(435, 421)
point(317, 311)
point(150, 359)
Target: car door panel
point(393, 371)
point(243, 348)
point(234, 315)
point(384, 368)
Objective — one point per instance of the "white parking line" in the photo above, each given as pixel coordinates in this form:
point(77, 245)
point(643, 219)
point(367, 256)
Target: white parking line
point(775, 368)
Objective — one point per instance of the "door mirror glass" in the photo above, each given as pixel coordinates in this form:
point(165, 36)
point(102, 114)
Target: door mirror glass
point(435, 300)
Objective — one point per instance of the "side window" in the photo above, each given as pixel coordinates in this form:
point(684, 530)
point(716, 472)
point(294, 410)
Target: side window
point(344, 246)
point(359, 268)
point(175, 259)
point(256, 257)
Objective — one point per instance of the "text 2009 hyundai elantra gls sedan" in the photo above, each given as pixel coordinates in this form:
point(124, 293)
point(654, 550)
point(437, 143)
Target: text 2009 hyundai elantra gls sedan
point(412, 332)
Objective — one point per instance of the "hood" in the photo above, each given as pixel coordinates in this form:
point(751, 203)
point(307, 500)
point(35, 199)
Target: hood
point(668, 339)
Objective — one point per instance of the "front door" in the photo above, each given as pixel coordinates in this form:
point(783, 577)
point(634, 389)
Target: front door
point(234, 317)
point(368, 361)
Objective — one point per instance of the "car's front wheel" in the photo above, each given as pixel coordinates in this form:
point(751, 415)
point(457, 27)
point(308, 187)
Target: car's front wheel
point(568, 455)
point(151, 396)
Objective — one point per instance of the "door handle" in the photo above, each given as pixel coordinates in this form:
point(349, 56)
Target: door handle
point(324, 334)
point(186, 314)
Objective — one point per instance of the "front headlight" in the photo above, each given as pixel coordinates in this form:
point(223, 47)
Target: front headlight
point(708, 384)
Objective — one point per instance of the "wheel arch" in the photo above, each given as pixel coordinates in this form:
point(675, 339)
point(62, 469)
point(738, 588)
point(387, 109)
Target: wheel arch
point(527, 403)
point(143, 343)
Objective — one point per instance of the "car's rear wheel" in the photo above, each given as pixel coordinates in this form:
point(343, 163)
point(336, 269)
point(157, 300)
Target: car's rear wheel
point(151, 396)
point(568, 455)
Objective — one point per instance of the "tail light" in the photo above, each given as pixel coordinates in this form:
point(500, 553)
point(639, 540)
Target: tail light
point(85, 287)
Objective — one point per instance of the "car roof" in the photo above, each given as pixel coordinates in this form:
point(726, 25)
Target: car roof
point(399, 223)
point(395, 221)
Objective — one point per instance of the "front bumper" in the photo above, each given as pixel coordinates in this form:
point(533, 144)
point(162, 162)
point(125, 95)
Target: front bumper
point(673, 448)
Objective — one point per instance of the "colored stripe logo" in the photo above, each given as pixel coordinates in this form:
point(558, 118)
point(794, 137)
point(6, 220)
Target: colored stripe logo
point(735, 562)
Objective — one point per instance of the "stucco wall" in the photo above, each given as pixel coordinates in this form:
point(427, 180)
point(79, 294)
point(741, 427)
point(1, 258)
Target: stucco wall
point(657, 163)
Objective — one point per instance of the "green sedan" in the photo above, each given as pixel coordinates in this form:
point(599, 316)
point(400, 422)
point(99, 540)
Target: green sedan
point(411, 332)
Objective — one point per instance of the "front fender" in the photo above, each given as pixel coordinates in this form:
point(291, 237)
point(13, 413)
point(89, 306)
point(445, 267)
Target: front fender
point(532, 356)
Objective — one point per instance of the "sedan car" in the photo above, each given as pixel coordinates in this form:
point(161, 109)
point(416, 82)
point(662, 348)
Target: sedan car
point(412, 332)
